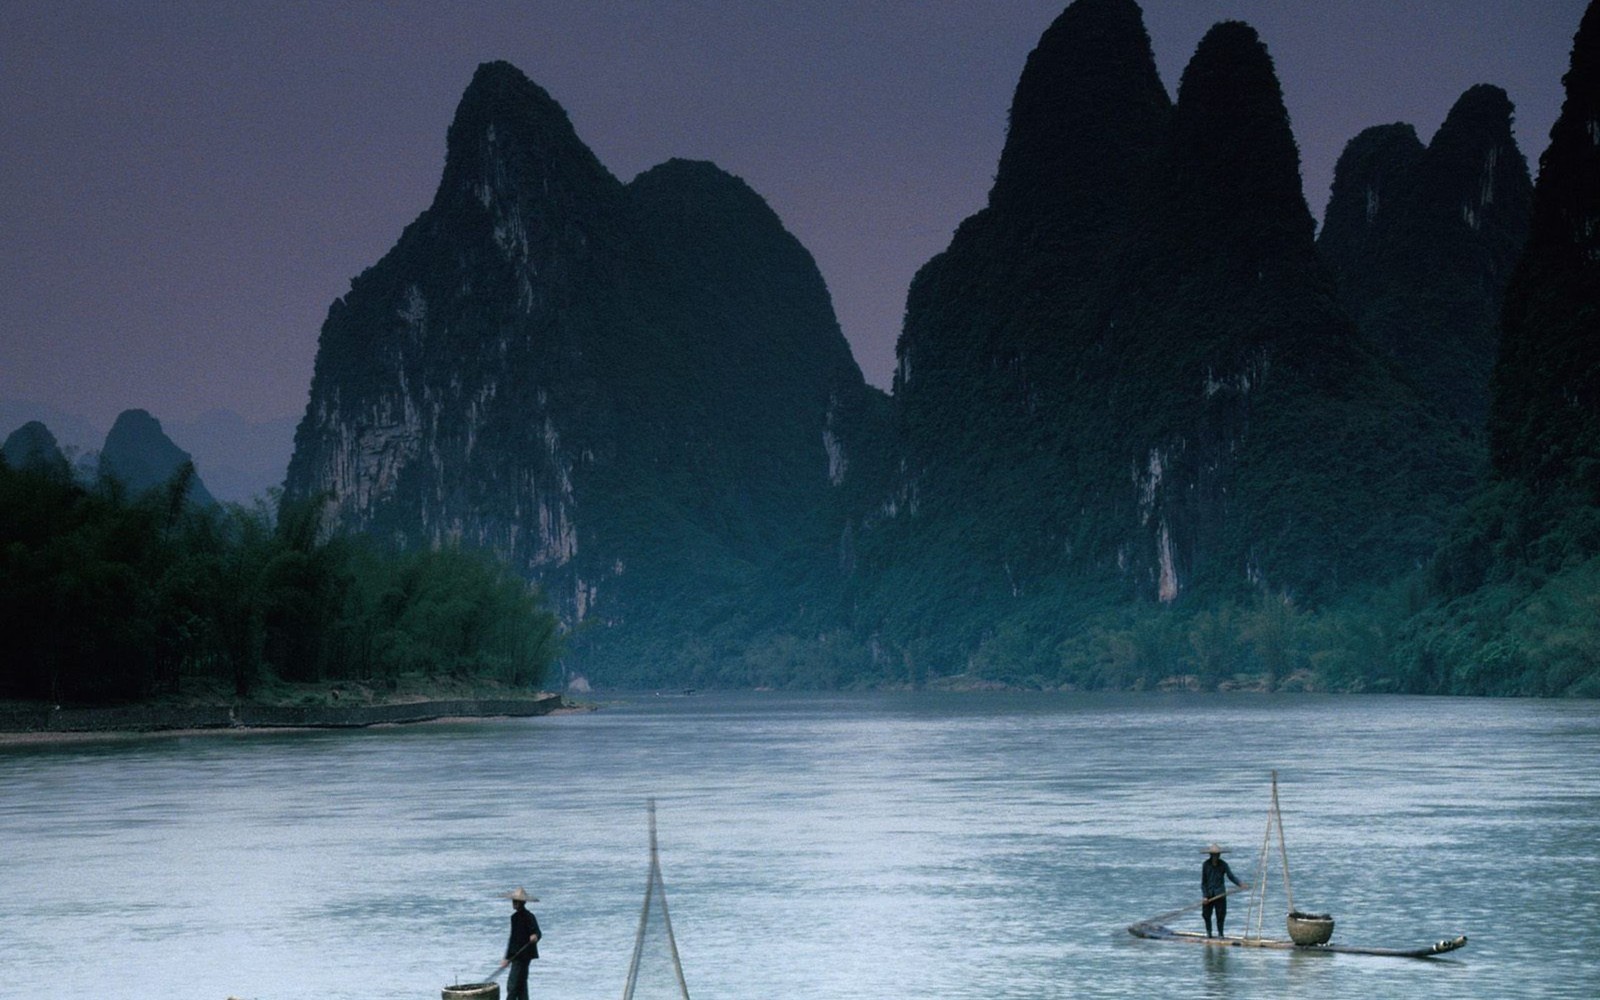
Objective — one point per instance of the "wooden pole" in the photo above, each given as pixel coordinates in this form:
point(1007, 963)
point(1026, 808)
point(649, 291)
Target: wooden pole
point(1283, 847)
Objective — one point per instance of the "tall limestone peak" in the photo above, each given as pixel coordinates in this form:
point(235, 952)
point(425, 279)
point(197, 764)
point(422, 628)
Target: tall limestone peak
point(1518, 573)
point(1088, 111)
point(626, 391)
point(705, 219)
point(1422, 241)
point(511, 141)
point(1237, 163)
point(996, 325)
point(1567, 203)
point(140, 456)
point(1545, 417)
point(1376, 168)
point(1150, 396)
point(1474, 175)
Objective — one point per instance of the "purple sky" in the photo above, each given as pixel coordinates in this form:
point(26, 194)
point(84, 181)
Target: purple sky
point(188, 185)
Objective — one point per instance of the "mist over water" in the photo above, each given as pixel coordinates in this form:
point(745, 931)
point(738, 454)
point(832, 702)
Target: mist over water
point(824, 846)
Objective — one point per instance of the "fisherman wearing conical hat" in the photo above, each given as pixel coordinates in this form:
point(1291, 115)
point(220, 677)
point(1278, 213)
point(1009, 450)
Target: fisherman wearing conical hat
point(523, 945)
point(1213, 889)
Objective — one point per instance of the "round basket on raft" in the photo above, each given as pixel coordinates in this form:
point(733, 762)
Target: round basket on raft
point(471, 991)
point(1310, 928)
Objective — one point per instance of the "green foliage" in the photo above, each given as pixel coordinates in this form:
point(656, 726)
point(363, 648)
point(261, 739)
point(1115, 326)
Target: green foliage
point(1265, 643)
point(111, 599)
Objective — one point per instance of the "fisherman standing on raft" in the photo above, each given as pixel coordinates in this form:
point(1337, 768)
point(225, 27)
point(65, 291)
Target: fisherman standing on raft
point(1213, 890)
point(523, 946)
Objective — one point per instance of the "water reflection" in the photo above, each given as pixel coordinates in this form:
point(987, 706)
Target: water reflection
point(1217, 981)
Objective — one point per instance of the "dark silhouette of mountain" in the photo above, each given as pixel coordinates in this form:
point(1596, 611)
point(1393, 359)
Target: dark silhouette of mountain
point(1002, 335)
point(1129, 377)
point(1545, 420)
point(1515, 585)
point(637, 394)
point(73, 433)
point(244, 459)
point(140, 456)
point(32, 446)
point(1423, 240)
point(1376, 169)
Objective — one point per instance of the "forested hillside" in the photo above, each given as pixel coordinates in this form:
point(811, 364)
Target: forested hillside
point(1135, 418)
point(1516, 589)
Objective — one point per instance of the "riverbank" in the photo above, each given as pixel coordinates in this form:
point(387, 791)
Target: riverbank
point(281, 707)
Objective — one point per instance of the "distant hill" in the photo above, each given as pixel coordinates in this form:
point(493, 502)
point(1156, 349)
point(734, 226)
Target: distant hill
point(242, 460)
point(138, 454)
point(74, 434)
point(32, 446)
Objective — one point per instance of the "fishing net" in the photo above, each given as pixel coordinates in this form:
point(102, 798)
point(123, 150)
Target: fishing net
point(655, 972)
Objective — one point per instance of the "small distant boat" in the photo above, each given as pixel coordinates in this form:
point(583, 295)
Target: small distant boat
point(1307, 931)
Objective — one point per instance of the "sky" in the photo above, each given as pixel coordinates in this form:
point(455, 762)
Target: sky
point(185, 187)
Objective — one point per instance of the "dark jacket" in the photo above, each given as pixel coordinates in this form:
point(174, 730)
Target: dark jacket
point(523, 926)
point(1212, 872)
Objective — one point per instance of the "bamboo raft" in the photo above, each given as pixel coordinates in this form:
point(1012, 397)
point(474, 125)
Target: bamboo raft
point(1161, 932)
point(1307, 931)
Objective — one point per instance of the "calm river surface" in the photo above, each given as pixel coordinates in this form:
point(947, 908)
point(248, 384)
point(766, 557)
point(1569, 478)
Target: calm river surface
point(813, 846)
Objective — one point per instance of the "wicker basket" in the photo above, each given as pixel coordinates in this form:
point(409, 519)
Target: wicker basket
point(472, 991)
point(1310, 928)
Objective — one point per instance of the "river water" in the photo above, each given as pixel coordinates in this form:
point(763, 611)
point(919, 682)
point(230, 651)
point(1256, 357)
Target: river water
point(813, 846)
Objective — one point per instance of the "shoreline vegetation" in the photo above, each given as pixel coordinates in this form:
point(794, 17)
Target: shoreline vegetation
point(117, 600)
point(281, 707)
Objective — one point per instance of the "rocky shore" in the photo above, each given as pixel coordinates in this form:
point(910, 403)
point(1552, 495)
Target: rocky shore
point(40, 718)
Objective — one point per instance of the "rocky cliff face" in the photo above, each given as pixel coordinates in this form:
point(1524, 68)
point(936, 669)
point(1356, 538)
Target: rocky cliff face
point(634, 393)
point(1129, 375)
point(1423, 240)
